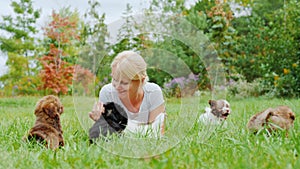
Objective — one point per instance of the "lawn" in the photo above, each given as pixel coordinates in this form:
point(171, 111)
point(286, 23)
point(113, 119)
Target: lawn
point(186, 144)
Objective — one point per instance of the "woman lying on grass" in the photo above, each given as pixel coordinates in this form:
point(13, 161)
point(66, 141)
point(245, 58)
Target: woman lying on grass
point(143, 101)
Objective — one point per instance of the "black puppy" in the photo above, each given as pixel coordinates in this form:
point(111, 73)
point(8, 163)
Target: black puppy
point(113, 120)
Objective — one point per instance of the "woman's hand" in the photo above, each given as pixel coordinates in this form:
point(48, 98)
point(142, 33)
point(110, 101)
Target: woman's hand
point(98, 109)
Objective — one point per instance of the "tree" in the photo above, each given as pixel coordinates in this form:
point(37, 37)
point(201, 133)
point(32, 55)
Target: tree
point(126, 32)
point(94, 57)
point(62, 37)
point(18, 42)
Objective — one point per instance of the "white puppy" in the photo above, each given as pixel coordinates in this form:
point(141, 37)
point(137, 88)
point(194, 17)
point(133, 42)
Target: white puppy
point(216, 114)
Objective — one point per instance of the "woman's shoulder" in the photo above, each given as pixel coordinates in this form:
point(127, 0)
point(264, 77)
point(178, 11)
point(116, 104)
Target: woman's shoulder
point(107, 93)
point(150, 87)
point(107, 88)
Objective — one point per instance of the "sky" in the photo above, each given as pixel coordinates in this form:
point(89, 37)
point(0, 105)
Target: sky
point(112, 8)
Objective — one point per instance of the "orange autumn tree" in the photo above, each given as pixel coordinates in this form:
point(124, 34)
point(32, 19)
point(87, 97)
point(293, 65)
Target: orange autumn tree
point(62, 36)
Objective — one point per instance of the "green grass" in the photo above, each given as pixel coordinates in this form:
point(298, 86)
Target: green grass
point(186, 145)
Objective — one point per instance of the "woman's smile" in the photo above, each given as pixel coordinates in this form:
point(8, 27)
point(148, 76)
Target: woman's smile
point(121, 91)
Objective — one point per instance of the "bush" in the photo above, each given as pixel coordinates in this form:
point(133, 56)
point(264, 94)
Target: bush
point(288, 84)
point(243, 89)
point(269, 50)
point(182, 86)
point(25, 86)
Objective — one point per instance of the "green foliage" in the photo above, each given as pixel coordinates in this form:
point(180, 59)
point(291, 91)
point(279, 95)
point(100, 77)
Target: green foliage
point(263, 47)
point(264, 8)
point(18, 43)
point(240, 88)
point(26, 86)
point(268, 49)
point(251, 48)
point(162, 73)
point(17, 65)
point(221, 33)
point(214, 22)
point(288, 84)
point(94, 54)
point(127, 38)
point(197, 18)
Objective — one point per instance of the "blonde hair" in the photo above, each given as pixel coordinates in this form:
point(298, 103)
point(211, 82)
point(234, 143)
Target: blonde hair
point(131, 65)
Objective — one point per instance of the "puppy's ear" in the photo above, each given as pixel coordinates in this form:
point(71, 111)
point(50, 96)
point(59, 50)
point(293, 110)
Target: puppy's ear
point(212, 102)
point(268, 115)
point(292, 116)
point(50, 110)
point(61, 110)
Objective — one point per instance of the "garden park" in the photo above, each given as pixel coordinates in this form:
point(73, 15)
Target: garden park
point(244, 51)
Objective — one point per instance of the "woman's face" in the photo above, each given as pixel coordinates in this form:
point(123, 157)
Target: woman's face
point(121, 84)
point(124, 85)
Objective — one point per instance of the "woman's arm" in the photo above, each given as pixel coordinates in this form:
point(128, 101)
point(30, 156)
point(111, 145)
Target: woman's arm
point(157, 108)
point(153, 115)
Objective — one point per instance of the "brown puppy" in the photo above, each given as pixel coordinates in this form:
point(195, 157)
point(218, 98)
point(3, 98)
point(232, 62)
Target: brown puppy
point(279, 118)
point(47, 127)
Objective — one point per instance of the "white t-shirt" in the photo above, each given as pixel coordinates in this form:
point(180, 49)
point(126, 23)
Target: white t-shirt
point(153, 98)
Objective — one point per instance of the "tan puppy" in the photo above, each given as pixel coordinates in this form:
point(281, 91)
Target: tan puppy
point(47, 127)
point(279, 118)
